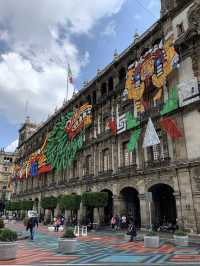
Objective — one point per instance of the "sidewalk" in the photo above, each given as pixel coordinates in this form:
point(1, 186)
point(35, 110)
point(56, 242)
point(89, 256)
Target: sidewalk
point(100, 248)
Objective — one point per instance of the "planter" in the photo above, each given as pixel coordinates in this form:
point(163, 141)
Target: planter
point(8, 250)
point(67, 245)
point(151, 241)
point(181, 240)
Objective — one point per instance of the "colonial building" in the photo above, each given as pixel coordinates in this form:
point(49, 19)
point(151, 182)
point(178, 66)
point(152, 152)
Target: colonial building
point(131, 130)
point(7, 162)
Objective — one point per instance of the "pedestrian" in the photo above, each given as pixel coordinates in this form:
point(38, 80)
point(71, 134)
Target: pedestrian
point(57, 224)
point(113, 222)
point(32, 223)
point(123, 222)
point(132, 231)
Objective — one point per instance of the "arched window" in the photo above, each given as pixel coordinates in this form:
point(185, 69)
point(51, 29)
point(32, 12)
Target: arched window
point(106, 160)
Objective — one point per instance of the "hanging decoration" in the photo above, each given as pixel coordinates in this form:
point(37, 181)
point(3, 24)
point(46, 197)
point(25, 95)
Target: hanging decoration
point(151, 137)
point(112, 124)
point(67, 138)
point(80, 119)
point(132, 122)
point(145, 78)
point(134, 138)
point(121, 123)
point(172, 102)
point(170, 127)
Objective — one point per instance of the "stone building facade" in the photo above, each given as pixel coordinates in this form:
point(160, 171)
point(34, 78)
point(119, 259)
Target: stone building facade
point(7, 162)
point(169, 170)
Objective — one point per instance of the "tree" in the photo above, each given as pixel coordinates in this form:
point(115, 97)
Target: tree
point(95, 200)
point(27, 205)
point(49, 203)
point(70, 202)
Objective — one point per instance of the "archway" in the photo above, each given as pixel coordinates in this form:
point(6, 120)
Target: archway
point(108, 210)
point(131, 204)
point(164, 204)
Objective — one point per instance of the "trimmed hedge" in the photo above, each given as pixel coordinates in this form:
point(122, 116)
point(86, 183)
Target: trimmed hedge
point(95, 199)
point(70, 202)
point(49, 203)
point(19, 205)
point(7, 235)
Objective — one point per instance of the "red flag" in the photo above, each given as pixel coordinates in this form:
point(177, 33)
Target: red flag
point(170, 127)
point(112, 125)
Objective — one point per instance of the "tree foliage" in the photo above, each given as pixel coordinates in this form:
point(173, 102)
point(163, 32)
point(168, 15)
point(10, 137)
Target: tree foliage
point(26, 205)
point(95, 199)
point(49, 203)
point(70, 202)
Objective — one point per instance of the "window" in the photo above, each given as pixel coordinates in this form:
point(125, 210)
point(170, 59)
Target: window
point(180, 29)
point(75, 169)
point(160, 151)
point(88, 165)
point(5, 169)
point(106, 160)
point(129, 158)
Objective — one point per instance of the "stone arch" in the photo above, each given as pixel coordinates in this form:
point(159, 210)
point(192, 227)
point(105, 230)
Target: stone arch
point(131, 204)
point(108, 210)
point(163, 208)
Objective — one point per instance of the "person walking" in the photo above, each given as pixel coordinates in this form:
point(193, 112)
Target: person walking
point(32, 223)
point(132, 231)
point(113, 222)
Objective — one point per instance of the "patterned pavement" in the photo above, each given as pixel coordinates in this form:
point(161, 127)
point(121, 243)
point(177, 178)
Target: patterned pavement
point(100, 248)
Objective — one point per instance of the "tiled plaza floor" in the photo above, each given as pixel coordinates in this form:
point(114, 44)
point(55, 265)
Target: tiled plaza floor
point(100, 248)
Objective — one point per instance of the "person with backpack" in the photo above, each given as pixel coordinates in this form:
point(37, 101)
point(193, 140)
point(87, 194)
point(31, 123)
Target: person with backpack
point(132, 231)
point(32, 223)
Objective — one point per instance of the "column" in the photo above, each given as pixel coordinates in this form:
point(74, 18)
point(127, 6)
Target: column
point(144, 211)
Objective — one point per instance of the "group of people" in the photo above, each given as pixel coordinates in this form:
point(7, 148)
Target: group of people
point(58, 221)
point(124, 223)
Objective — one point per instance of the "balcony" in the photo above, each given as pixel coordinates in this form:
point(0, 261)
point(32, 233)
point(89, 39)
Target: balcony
point(162, 162)
point(107, 173)
point(152, 112)
point(127, 170)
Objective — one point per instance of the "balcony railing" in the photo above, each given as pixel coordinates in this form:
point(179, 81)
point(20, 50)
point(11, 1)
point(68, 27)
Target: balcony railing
point(127, 170)
point(162, 162)
point(105, 173)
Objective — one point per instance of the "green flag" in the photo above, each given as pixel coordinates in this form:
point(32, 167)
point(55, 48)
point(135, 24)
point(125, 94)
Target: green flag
point(171, 104)
point(131, 121)
point(134, 138)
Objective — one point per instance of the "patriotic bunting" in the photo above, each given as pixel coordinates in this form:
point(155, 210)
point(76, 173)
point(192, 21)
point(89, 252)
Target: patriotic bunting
point(171, 104)
point(134, 138)
point(170, 127)
point(151, 137)
point(131, 121)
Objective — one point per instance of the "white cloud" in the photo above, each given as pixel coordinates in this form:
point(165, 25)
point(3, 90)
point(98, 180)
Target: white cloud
point(12, 146)
point(39, 36)
point(137, 17)
point(110, 29)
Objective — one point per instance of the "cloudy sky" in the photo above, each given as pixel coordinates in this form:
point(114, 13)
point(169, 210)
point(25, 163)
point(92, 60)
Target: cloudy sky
point(39, 38)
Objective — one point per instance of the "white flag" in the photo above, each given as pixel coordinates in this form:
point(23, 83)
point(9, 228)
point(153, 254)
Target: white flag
point(151, 137)
point(26, 170)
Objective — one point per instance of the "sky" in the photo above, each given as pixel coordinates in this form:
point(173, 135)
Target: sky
point(38, 39)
